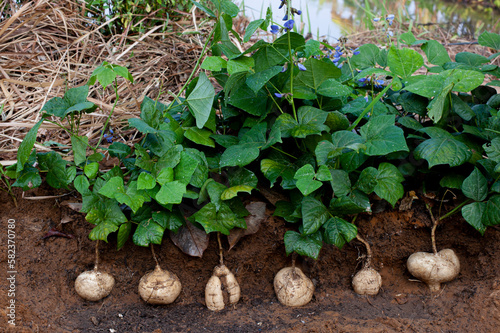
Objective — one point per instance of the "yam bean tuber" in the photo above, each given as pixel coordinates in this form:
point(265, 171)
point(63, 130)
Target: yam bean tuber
point(434, 269)
point(159, 287)
point(222, 288)
point(367, 282)
point(94, 285)
point(293, 287)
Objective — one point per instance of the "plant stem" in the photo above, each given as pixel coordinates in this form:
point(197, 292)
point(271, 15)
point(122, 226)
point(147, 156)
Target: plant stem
point(96, 265)
point(454, 210)
point(115, 86)
point(369, 107)
point(283, 152)
point(435, 223)
point(368, 250)
point(195, 68)
point(154, 255)
point(291, 72)
point(221, 260)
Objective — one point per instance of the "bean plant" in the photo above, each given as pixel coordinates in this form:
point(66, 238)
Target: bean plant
point(332, 127)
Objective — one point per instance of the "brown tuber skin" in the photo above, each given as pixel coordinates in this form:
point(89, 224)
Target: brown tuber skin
point(94, 285)
point(159, 287)
point(222, 285)
point(293, 287)
point(434, 269)
point(367, 282)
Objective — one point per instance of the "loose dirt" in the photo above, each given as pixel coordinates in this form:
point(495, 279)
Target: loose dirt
point(47, 268)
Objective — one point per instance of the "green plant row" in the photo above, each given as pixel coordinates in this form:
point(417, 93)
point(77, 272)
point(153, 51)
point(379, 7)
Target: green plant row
point(331, 127)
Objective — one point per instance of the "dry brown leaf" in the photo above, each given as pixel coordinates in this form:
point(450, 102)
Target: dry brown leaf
point(257, 216)
point(190, 240)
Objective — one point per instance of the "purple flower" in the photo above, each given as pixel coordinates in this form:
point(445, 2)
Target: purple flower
point(275, 29)
point(278, 95)
point(301, 67)
point(289, 24)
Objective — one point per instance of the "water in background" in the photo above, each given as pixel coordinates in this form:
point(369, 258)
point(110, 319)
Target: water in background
point(334, 18)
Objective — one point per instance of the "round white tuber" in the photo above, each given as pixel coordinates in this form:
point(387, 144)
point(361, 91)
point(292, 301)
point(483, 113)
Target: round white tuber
point(293, 287)
point(434, 269)
point(222, 285)
point(367, 282)
point(159, 287)
point(94, 285)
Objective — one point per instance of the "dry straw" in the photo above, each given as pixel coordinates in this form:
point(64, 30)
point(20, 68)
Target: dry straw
point(47, 47)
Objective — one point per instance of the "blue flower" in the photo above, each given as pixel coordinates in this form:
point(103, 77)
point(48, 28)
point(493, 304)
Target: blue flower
point(366, 98)
point(301, 67)
point(376, 19)
point(282, 4)
point(340, 65)
point(380, 81)
point(283, 69)
point(363, 79)
point(338, 48)
point(108, 137)
point(275, 29)
point(356, 51)
point(278, 95)
point(289, 24)
point(299, 12)
point(285, 17)
point(336, 59)
point(390, 17)
point(390, 34)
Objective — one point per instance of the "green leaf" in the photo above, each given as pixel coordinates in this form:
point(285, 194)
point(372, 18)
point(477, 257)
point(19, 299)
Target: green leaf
point(471, 59)
point(171, 193)
point(303, 245)
point(492, 211)
point(443, 150)
point(435, 52)
point(333, 88)
point(452, 180)
point(107, 216)
point(338, 231)
point(272, 170)
point(123, 234)
point(310, 121)
point(200, 100)
point(461, 108)
point(58, 176)
point(169, 220)
point(324, 174)
point(145, 181)
point(166, 175)
point(199, 136)
point(463, 80)
point(382, 136)
point(356, 202)
point(337, 121)
point(74, 100)
point(111, 187)
point(24, 151)
point(367, 57)
point(81, 184)
point(240, 64)
point(222, 220)
point(367, 180)
point(141, 126)
point(257, 80)
point(389, 185)
point(79, 145)
point(317, 72)
point(119, 149)
point(239, 155)
point(148, 232)
point(214, 64)
point(240, 180)
point(246, 99)
point(292, 39)
point(493, 149)
point(251, 28)
point(404, 62)
point(489, 39)
point(473, 214)
point(427, 86)
point(341, 184)
point(475, 186)
point(407, 38)
point(314, 215)
point(28, 178)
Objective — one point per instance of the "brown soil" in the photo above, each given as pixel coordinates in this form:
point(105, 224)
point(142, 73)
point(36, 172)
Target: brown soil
point(47, 302)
